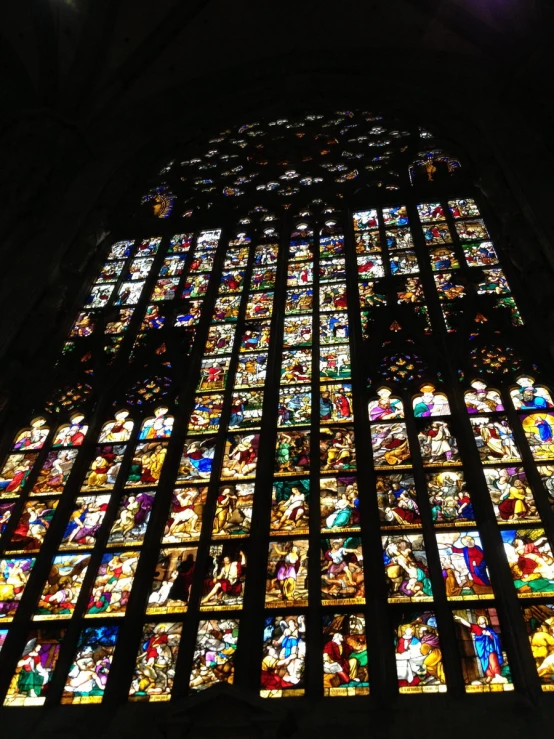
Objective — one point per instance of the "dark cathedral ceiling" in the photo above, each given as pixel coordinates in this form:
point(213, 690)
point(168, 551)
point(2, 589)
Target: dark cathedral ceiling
point(94, 91)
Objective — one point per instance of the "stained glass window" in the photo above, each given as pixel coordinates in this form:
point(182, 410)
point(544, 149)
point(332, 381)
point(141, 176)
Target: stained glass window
point(303, 444)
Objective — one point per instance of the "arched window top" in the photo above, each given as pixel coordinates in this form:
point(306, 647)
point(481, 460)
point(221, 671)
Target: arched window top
point(482, 399)
point(158, 426)
point(117, 430)
point(33, 437)
point(386, 406)
point(528, 396)
point(429, 402)
point(71, 434)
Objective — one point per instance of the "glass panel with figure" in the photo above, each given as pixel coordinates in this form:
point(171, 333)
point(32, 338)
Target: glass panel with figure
point(365, 219)
point(35, 668)
point(367, 241)
point(110, 271)
point(482, 399)
point(339, 505)
point(438, 445)
point(449, 499)
point(530, 397)
point(172, 581)
point(263, 278)
point(188, 314)
point(292, 453)
point(195, 286)
point(88, 675)
point(333, 297)
point(180, 243)
point(251, 371)
point(371, 294)
point(184, 521)
point(33, 438)
point(240, 456)
point(474, 230)
point(104, 468)
point(260, 305)
point(165, 289)
point(155, 662)
point(290, 503)
point(220, 339)
point(55, 472)
point(547, 476)
point(300, 274)
point(226, 309)
point(333, 328)
point(334, 362)
point(118, 430)
point(246, 410)
point(214, 652)
point(158, 426)
point(6, 510)
point(256, 336)
point(390, 445)
point(297, 331)
point(236, 258)
point(370, 266)
point(397, 501)
point(485, 666)
point(14, 574)
point(419, 665)
point(406, 569)
point(146, 464)
point(494, 439)
point(133, 514)
point(335, 403)
point(233, 511)
point(345, 662)
point(32, 527)
point(399, 238)
point(71, 434)
point(511, 495)
point(332, 269)
point(337, 451)
point(539, 621)
point(342, 571)
point(224, 577)
point(464, 566)
point(385, 407)
point(202, 261)
point(284, 654)
point(112, 585)
point(296, 366)
point(538, 431)
point(214, 372)
point(61, 590)
point(287, 574)
point(120, 250)
point(298, 300)
point(443, 257)
point(531, 561)
point(430, 403)
point(295, 406)
point(197, 459)
point(232, 282)
point(403, 263)
point(206, 414)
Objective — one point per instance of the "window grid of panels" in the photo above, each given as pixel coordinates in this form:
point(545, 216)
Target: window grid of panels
point(253, 453)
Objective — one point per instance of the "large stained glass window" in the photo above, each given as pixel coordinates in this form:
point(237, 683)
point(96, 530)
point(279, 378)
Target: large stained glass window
point(298, 439)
